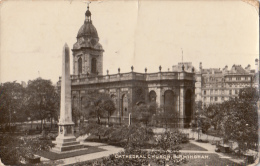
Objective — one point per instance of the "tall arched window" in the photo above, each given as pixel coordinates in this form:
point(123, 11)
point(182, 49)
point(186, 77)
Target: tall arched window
point(152, 96)
point(124, 105)
point(93, 65)
point(80, 65)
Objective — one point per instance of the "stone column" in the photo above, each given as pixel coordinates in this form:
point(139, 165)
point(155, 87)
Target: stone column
point(181, 106)
point(66, 140)
point(65, 105)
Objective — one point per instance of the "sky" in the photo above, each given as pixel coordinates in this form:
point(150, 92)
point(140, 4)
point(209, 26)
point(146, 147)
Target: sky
point(145, 34)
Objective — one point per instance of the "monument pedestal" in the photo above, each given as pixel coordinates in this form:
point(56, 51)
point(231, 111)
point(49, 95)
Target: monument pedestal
point(66, 141)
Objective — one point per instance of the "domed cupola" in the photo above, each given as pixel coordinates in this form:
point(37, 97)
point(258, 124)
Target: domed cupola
point(87, 35)
point(88, 30)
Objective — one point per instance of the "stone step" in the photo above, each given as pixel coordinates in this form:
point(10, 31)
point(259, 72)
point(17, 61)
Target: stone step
point(67, 148)
point(69, 139)
point(66, 143)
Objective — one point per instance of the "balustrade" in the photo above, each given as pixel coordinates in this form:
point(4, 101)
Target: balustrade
point(84, 78)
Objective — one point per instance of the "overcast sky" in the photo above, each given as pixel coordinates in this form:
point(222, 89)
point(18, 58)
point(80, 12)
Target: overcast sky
point(138, 33)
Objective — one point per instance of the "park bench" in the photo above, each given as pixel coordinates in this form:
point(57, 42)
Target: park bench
point(249, 158)
point(224, 148)
point(221, 147)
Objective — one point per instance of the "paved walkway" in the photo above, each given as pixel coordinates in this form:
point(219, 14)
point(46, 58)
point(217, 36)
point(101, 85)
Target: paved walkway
point(211, 149)
point(108, 151)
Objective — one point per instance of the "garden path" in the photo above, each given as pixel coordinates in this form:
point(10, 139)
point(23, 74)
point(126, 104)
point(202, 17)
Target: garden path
point(108, 151)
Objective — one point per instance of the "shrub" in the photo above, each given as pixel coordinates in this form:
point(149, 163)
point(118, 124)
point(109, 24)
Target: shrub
point(12, 148)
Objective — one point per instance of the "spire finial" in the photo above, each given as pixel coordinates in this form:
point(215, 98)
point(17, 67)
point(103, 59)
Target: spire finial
point(88, 13)
point(88, 5)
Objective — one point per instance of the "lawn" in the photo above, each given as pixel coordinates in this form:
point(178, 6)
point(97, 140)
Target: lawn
point(191, 146)
point(148, 145)
point(57, 156)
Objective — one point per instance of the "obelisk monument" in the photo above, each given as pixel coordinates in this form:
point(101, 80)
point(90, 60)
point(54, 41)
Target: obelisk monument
point(66, 140)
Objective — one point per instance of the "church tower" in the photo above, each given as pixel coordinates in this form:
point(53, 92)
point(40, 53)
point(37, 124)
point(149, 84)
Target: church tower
point(87, 51)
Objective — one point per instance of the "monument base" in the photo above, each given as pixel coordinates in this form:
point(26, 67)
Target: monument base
point(66, 144)
point(66, 141)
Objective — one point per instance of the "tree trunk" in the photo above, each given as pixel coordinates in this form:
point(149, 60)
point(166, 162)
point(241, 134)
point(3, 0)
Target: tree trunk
point(51, 122)
point(98, 120)
point(166, 124)
point(41, 125)
point(108, 119)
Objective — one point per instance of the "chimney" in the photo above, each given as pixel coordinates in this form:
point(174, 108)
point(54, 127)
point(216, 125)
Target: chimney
point(200, 65)
point(248, 68)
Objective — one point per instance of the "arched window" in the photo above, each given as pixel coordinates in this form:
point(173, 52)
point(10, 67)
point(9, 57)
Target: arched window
point(80, 65)
point(124, 105)
point(93, 65)
point(152, 96)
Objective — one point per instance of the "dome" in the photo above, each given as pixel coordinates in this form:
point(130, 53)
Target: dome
point(87, 29)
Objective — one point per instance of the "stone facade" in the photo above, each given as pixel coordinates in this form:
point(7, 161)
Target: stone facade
point(129, 89)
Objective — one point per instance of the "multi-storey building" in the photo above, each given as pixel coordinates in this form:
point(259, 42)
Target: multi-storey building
point(217, 85)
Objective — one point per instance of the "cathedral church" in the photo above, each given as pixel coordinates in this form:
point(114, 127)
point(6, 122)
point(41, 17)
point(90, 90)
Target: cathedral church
point(175, 89)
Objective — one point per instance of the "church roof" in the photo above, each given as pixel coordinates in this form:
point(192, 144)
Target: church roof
point(87, 29)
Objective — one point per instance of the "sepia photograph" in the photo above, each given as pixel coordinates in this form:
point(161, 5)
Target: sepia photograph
point(129, 83)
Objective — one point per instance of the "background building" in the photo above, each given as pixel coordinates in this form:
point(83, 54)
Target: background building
point(217, 85)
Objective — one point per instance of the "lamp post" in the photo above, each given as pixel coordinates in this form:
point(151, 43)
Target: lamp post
point(129, 119)
point(49, 115)
point(198, 124)
point(29, 118)
point(247, 127)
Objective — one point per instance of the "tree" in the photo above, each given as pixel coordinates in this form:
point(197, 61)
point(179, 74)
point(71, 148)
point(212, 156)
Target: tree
point(144, 112)
point(238, 118)
point(109, 106)
point(12, 103)
point(241, 120)
point(205, 124)
point(12, 148)
point(42, 99)
point(167, 115)
point(97, 105)
point(169, 141)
